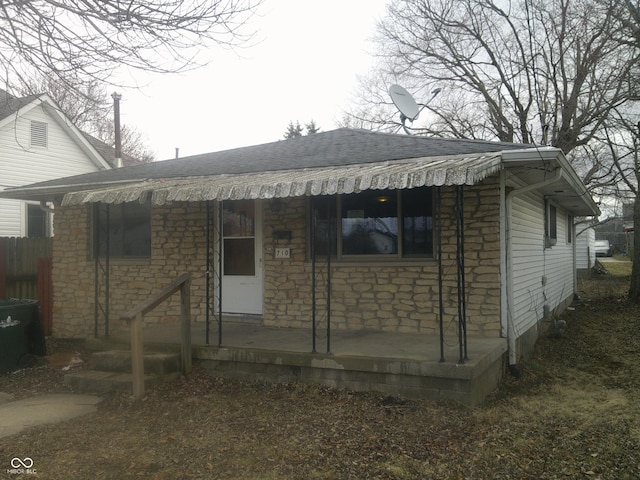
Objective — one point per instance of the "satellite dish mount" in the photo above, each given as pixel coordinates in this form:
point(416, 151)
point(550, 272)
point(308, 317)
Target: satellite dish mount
point(406, 105)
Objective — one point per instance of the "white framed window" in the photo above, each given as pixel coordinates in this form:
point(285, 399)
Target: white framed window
point(38, 221)
point(550, 224)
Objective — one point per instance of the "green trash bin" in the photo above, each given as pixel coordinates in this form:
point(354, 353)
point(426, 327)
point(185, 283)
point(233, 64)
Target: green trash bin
point(17, 337)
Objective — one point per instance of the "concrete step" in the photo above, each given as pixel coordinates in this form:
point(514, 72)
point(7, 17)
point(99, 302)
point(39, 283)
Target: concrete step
point(122, 342)
point(120, 361)
point(102, 382)
point(111, 371)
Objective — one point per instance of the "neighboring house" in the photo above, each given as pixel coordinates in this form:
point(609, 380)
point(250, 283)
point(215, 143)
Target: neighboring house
point(361, 215)
point(38, 143)
point(585, 245)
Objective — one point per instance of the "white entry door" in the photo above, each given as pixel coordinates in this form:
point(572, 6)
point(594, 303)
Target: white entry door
point(242, 257)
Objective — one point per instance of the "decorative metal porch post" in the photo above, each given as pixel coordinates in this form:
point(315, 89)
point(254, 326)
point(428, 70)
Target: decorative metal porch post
point(440, 270)
point(213, 275)
point(462, 308)
point(220, 240)
point(313, 274)
point(329, 251)
point(100, 268)
point(314, 299)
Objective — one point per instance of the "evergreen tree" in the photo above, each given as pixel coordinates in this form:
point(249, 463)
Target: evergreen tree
point(295, 129)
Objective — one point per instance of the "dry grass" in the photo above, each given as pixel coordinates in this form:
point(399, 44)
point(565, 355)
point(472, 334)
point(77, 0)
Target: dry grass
point(574, 414)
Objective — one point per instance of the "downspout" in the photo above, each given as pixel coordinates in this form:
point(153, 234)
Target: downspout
point(511, 334)
point(575, 258)
point(45, 208)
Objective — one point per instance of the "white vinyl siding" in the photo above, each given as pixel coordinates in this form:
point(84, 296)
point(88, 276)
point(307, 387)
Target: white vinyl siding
point(541, 276)
point(22, 164)
point(585, 246)
point(10, 218)
point(559, 266)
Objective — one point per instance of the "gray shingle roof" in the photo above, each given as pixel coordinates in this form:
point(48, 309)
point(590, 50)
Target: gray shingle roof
point(344, 179)
point(337, 162)
point(327, 149)
point(108, 152)
point(10, 104)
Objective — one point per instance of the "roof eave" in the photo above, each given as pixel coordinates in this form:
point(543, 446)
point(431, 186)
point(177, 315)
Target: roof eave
point(409, 173)
point(48, 194)
point(552, 157)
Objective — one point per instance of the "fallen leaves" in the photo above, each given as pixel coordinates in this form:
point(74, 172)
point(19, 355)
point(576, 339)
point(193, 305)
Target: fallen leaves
point(573, 414)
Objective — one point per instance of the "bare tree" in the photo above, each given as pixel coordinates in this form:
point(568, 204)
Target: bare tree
point(517, 71)
point(370, 108)
point(92, 38)
point(89, 107)
point(621, 137)
point(134, 148)
point(558, 72)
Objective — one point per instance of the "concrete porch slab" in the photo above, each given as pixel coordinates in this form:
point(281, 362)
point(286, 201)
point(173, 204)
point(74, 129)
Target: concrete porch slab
point(394, 363)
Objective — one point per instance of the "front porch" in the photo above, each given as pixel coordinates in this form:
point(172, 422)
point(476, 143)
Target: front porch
point(401, 364)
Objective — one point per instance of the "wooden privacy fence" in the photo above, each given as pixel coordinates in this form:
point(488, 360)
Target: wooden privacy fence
point(25, 273)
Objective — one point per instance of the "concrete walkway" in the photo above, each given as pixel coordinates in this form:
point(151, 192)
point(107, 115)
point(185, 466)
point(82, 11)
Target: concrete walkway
point(16, 415)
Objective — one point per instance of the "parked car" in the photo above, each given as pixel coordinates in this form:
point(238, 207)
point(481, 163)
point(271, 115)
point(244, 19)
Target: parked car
point(603, 248)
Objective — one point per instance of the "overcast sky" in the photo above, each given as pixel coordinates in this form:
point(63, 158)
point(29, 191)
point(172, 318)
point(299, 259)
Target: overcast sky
point(304, 67)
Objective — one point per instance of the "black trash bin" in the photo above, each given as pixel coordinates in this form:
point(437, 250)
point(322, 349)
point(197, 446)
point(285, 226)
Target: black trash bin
point(21, 333)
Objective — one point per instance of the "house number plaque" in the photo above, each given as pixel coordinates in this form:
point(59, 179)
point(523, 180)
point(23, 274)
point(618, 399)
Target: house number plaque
point(283, 252)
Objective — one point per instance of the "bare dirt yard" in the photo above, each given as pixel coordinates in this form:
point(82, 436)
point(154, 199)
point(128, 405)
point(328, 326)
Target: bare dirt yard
point(574, 413)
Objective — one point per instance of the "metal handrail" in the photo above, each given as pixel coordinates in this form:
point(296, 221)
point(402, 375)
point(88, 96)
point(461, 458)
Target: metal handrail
point(134, 318)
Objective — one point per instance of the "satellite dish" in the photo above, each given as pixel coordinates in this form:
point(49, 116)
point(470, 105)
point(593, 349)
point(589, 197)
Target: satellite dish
point(407, 106)
point(404, 102)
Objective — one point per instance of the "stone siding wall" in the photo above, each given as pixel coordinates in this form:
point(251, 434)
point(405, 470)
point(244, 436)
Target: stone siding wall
point(398, 296)
point(178, 246)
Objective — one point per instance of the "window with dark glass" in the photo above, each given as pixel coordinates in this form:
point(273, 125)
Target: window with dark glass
point(127, 227)
point(239, 232)
point(324, 224)
point(388, 223)
point(550, 224)
point(553, 222)
point(417, 222)
point(37, 221)
point(369, 223)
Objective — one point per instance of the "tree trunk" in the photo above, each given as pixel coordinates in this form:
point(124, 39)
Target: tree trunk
point(634, 289)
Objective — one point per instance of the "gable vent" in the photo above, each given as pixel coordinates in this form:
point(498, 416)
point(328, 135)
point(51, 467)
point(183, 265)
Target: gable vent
point(38, 134)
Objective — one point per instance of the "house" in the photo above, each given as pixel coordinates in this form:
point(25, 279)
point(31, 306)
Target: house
point(37, 143)
point(391, 239)
point(585, 245)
